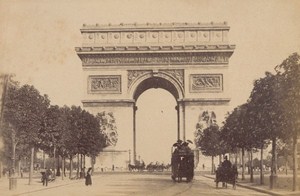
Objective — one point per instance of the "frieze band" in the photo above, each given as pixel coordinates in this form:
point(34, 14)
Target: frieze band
point(206, 83)
point(104, 84)
point(155, 59)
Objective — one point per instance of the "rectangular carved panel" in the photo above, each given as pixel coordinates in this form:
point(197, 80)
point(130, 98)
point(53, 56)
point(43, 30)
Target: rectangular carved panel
point(206, 83)
point(104, 84)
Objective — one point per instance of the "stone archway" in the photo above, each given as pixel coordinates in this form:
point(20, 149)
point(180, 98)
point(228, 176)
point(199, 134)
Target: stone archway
point(159, 79)
point(122, 61)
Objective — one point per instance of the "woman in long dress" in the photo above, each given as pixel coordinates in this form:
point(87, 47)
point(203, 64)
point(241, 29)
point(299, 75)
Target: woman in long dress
point(88, 179)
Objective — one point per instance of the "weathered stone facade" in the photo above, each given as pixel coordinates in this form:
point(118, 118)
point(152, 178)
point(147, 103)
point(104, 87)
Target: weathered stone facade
point(121, 61)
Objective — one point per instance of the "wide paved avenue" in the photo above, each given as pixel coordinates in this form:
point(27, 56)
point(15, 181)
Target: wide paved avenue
point(139, 184)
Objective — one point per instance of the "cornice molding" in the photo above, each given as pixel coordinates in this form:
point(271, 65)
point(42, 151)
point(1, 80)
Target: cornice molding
point(108, 103)
point(204, 101)
point(161, 48)
point(153, 26)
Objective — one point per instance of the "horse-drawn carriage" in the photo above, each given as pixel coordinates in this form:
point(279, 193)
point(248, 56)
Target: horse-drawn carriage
point(226, 175)
point(182, 162)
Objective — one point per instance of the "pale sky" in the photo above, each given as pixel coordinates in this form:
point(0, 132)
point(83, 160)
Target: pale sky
point(37, 38)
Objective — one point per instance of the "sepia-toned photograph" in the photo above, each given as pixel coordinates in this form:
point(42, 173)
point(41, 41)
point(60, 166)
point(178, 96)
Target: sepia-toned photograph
point(149, 97)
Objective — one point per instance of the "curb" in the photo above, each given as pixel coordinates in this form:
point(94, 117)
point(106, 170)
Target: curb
point(253, 188)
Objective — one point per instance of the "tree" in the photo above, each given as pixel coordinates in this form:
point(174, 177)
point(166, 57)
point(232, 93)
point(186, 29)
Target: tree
point(209, 142)
point(24, 110)
point(267, 97)
point(289, 70)
point(234, 132)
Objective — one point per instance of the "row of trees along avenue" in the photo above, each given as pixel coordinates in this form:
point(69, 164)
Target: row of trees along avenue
point(29, 123)
point(271, 116)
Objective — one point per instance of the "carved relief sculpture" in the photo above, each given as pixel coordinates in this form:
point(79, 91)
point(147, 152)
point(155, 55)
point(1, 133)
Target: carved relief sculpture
point(104, 84)
point(178, 74)
point(132, 75)
point(206, 83)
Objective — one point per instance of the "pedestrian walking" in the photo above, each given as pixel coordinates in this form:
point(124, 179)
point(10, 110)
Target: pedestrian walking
point(45, 177)
point(21, 172)
point(88, 178)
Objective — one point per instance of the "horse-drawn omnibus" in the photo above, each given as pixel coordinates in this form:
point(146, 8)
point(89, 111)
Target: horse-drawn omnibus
point(182, 162)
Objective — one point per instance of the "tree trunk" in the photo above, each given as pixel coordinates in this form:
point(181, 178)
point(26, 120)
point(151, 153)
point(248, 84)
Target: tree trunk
point(93, 160)
point(243, 164)
point(44, 160)
point(64, 171)
point(235, 159)
point(273, 176)
point(62, 168)
point(295, 161)
point(54, 162)
point(81, 162)
point(78, 166)
point(58, 166)
point(31, 166)
point(262, 164)
point(251, 166)
point(71, 167)
point(275, 162)
point(1, 169)
point(19, 167)
point(13, 156)
point(248, 162)
point(286, 166)
point(212, 165)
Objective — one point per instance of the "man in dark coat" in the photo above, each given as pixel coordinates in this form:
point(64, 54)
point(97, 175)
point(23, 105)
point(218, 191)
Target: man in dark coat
point(226, 164)
point(45, 177)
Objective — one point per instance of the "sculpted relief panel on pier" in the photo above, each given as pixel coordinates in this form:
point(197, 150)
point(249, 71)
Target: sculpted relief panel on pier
point(104, 84)
point(206, 83)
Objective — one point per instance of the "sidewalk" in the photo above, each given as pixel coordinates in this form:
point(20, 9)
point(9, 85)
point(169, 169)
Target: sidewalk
point(24, 189)
point(260, 188)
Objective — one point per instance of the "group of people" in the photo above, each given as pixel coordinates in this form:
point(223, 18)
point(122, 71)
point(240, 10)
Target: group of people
point(181, 146)
point(47, 174)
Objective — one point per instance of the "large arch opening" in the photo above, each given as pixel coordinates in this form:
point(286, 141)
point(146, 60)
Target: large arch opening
point(156, 126)
point(156, 119)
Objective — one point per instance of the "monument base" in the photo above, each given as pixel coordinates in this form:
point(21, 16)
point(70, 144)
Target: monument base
point(111, 159)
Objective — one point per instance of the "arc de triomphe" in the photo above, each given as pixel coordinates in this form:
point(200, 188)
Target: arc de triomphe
point(121, 61)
